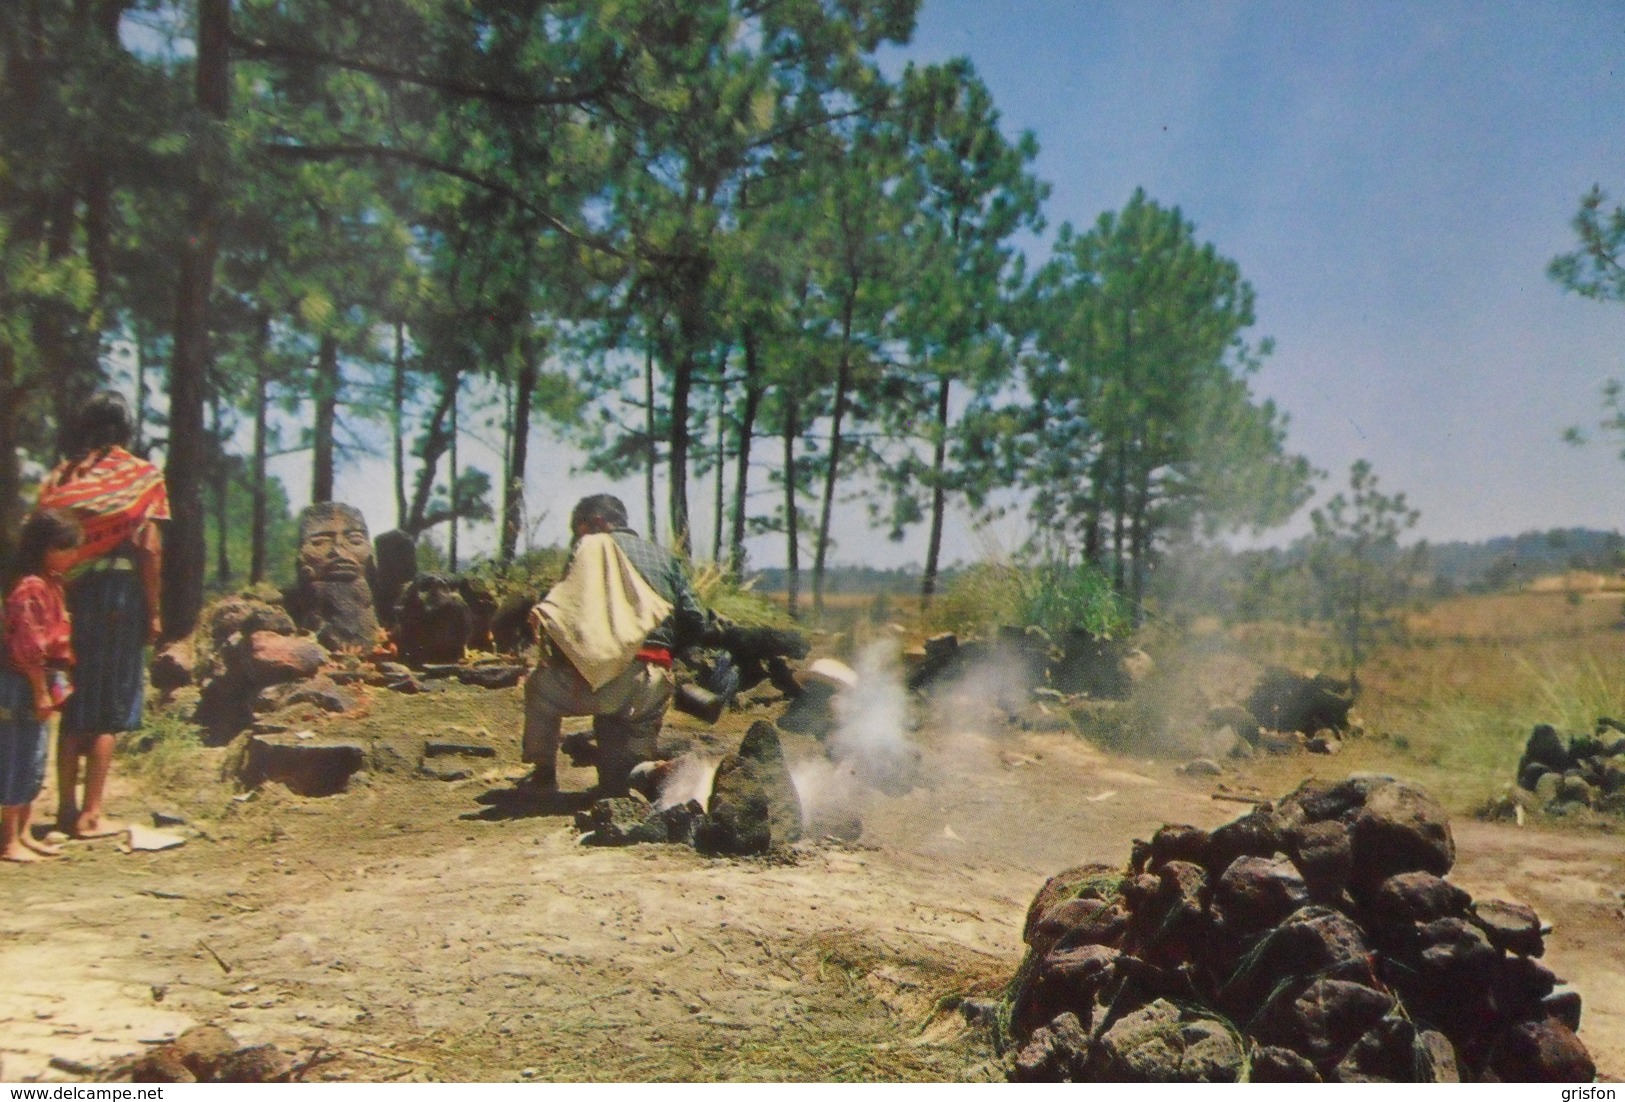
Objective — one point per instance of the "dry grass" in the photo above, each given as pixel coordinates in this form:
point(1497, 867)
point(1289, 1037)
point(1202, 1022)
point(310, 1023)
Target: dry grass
point(1453, 704)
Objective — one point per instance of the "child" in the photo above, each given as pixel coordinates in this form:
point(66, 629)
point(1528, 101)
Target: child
point(33, 673)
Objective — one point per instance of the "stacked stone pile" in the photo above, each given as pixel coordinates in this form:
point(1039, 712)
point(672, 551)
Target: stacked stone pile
point(752, 807)
point(1313, 939)
point(1586, 771)
point(208, 1054)
point(1078, 664)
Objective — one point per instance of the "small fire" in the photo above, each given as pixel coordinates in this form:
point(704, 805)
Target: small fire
point(686, 778)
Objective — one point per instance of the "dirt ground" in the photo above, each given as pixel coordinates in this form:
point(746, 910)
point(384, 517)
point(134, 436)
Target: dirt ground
point(417, 929)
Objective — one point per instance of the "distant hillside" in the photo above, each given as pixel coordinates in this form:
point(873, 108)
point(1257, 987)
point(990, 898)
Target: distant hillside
point(1504, 562)
point(866, 580)
point(1513, 560)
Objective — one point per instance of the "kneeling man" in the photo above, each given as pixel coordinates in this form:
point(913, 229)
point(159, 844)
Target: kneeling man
point(607, 632)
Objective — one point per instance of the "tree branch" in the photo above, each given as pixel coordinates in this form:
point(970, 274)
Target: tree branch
point(339, 151)
point(260, 50)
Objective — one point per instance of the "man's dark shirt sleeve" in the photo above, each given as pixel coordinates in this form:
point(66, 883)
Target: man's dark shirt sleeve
point(689, 623)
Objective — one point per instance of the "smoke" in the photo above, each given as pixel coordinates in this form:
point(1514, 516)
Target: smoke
point(871, 734)
point(689, 777)
point(982, 698)
point(869, 749)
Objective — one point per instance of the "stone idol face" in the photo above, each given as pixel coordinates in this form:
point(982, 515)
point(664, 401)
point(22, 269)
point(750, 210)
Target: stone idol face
point(333, 544)
point(333, 594)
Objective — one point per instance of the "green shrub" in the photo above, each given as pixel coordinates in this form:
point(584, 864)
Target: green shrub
point(1053, 595)
point(530, 574)
point(734, 600)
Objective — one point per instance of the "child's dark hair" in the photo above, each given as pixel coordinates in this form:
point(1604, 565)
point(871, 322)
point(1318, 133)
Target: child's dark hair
point(104, 421)
point(44, 530)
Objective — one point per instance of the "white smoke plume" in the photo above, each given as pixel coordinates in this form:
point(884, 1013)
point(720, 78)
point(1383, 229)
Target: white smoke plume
point(689, 777)
point(871, 735)
point(869, 749)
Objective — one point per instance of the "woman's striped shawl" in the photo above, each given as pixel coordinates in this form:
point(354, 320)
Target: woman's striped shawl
point(112, 493)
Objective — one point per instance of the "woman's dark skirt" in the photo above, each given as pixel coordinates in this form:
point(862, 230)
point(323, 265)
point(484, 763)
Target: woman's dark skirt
point(22, 742)
point(109, 610)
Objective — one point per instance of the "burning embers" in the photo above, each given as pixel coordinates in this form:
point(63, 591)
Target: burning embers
point(755, 799)
point(749, 806)
point(1314, 939)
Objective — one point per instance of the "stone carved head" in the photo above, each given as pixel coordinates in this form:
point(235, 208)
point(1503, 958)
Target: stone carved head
point(333, 543)
point(333, 594)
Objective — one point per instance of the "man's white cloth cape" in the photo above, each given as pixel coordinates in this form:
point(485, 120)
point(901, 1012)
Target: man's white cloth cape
point(601, 611)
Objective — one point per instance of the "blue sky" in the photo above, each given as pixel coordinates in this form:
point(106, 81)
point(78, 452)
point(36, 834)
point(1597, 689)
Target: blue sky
point(1392, 178)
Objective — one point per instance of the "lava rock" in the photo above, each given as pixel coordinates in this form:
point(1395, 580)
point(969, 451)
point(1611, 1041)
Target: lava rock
point(256, 1064)
point(1257, 892)
point(432, 621)
point(1323, 1019)
point(1055, 1053)
point(173, 666)
point(621, 821)
point(1259, 833)
point(753, 804)
point(193, 1057)
point(313, 767)
point(1179, 842)
point(437, 748)
point(1511, 927)
point(1080, 922)
point(1401, 829)
point(1396, 1051)
point(1563, 1006)
point(1286, 700)
point(1092, 881)
point(1274, 1064)
point(1065, 981)
point(1324, 855)
point(1545, 746)
point(268, 658)
point(1417, 897)
point(492, 677)
point(1541, 1052)
point(1158, 1043)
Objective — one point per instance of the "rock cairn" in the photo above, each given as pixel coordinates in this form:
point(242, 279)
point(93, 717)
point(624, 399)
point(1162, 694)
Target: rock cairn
point(1587, 771)
point(752, 807)
point(1289, 711)
point(208, 1054)
point(1313, 939)
point(1079, 663)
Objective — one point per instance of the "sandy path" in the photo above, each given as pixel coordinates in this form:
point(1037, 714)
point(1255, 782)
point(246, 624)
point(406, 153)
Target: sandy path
point(394, 928)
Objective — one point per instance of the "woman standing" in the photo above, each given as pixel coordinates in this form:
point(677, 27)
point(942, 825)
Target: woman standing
point(112, 599)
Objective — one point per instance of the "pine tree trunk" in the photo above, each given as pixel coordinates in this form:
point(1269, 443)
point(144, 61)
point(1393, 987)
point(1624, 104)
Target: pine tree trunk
point(435, 440)
point(222, 489)
point(67, 347)
point(451, 496)
point(792, 526)
point(327, 400)
point(184, 550)
point(262, 402)
point(843, 382)
point(513, 503)
point(747, 428)
point(11, 475)
point(397, 420)
point(682, 388)
point(651, 453)
point(939, 495)
point(721, 472)
point(1094, 539)
point(1139, 542)
point(138, 442)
